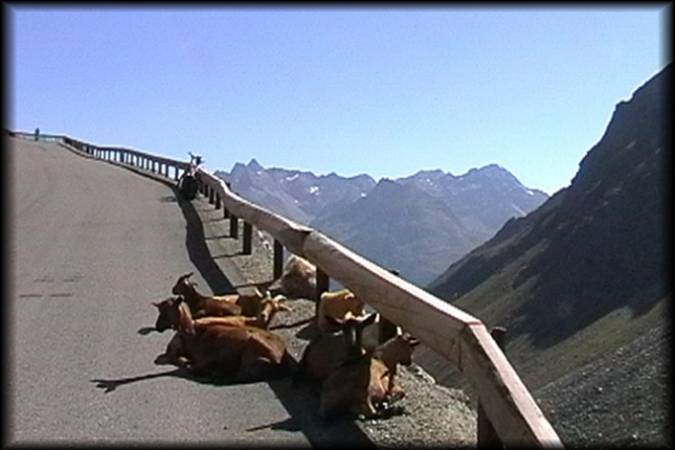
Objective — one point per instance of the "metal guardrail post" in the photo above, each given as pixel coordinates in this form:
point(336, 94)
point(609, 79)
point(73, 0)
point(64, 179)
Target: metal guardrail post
point(226, 213)
point(212, 198)
point(248, 238)
point(217, 200)
point(278, 259)
point(234, 227)
point(487, 436)
point(322, 285)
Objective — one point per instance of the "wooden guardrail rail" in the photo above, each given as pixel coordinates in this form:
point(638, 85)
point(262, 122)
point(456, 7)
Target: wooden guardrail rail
point(458, 336)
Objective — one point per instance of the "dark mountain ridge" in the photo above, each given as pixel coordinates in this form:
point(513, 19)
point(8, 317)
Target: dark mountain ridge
point(599, 242)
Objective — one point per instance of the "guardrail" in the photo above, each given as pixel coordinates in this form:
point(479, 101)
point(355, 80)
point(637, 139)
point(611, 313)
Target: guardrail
point(511, 412)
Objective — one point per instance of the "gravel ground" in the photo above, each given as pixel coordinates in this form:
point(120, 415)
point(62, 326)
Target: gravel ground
point(433, 414)
point(619, 400)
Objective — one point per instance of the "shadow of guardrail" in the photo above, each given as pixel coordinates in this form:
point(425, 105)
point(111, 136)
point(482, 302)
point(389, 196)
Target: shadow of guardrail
point(198, 252)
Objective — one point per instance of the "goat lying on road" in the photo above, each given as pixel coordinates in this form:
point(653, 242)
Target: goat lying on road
point(223, 305)
point(251, 354)
point(361, 385)
point(269, 307)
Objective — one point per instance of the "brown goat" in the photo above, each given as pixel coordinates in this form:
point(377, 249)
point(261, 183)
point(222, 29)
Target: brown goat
point(247, 352)
point(397, 350)
point(337, 305)
point(298, 279)
point(169, 317)
point(361, 385)
point(269, 307)
point(223, 305)
point(327, 351)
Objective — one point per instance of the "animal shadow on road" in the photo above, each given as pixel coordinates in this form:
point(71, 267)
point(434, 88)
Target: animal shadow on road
point(110, 384)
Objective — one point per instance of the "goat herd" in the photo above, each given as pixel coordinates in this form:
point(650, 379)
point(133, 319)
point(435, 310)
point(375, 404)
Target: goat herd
point(229, 336)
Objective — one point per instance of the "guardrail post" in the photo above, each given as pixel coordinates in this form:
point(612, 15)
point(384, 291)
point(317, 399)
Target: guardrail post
point(322, 285)
point(248, 237)
point(234, 227)
point(226, 213)
point(487, 436)
point(175, 173)
point(211, 196)
point(278, 259)
point(218, 201)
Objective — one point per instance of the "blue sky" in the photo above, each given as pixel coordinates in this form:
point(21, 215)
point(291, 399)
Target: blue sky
point(385, 91)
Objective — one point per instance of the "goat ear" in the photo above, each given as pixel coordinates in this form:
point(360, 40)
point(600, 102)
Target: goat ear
point(369, 319)
point(157, 304)
point(284, 307)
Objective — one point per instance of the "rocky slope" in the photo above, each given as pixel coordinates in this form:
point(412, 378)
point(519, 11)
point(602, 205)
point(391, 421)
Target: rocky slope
point(588, 406)
point(403, 227)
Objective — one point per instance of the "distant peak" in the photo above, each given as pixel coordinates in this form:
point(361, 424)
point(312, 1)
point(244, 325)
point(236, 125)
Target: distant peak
point(493, 168)
point(436, 173)
point(254, 164)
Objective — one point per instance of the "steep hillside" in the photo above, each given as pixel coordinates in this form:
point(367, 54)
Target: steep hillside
point(418, 224)
point(587, 271)
point(482, 198)
point(402, 227)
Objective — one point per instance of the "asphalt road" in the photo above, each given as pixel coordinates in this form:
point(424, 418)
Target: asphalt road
point(91, 246)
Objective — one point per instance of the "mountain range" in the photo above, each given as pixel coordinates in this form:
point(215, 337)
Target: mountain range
point(417, 225)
